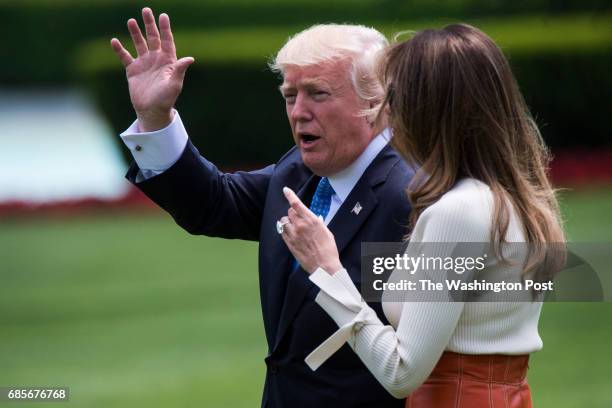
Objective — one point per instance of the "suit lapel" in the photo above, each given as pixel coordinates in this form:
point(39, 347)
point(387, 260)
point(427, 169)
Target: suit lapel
point(348, 219)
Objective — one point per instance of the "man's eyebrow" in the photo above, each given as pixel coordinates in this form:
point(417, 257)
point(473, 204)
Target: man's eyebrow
point(315, 83)
point(285, 87)
point(307, 83)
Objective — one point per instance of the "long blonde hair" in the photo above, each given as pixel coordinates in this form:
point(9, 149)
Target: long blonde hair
point(456, 111)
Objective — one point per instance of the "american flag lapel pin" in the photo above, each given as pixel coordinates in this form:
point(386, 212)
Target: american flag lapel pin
point(357, 208)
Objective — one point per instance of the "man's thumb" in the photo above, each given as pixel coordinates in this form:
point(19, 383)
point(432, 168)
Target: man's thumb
point(182, 65)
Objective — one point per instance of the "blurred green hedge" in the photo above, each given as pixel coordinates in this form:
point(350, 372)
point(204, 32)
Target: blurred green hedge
point(40, 35)
point(234, 113)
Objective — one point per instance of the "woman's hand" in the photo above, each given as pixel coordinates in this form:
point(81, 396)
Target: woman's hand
point(307, 237)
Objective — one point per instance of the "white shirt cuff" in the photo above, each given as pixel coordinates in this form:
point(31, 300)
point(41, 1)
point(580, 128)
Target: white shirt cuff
point(157, 150)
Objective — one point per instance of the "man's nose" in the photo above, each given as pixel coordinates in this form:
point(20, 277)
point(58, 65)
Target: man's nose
point(300, 110)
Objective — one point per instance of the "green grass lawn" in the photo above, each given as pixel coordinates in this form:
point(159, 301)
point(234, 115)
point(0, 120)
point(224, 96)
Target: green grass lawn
point(132, 311)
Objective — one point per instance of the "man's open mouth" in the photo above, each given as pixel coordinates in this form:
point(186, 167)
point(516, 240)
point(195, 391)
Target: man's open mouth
point(308, 139)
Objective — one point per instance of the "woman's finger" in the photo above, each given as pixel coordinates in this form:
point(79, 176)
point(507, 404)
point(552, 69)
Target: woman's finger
point(288, 229)
point(293, 215)
point(288, 241)
point(284, 221)
point(296, 203)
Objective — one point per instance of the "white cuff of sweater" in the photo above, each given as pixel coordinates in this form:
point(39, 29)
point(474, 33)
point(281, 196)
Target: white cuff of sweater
point(341, 289)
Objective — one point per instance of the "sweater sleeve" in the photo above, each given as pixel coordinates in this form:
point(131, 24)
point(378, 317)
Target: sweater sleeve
point(403, 358)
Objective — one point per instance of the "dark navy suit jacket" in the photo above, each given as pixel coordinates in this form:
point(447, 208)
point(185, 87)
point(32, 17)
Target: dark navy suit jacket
point(246, 205)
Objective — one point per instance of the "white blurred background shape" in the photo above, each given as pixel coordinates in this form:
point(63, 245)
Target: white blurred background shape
point(55, 147)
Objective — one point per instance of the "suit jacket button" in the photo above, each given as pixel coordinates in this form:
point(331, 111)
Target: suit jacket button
point(138, 148)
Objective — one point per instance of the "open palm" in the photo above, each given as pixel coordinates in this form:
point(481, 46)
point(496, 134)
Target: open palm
point(155, 77)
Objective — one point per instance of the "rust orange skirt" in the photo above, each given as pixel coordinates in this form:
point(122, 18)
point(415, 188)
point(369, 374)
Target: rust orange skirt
point(474, 381)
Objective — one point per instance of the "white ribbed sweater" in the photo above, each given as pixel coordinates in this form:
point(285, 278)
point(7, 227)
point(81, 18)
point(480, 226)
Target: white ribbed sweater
point(402, 357)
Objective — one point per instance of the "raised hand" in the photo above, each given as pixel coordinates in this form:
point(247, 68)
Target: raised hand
point(155, 77)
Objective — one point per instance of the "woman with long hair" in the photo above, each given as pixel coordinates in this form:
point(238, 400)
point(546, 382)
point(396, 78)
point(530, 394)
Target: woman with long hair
point(457, 114)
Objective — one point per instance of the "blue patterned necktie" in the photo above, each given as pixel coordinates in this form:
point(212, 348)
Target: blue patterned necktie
point(321, 201)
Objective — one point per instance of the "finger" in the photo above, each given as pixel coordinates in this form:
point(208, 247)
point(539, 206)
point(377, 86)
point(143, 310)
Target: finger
point(296, 203)
point(285, 222)
point(137, 38)
point(167, 40)
point(181, 66)
point(151, 28)
point(289, 235)
point(286, 240)
point(124, 56)
point(293, 215)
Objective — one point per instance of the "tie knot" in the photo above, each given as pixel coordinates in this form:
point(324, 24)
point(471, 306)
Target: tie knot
point(324, 189)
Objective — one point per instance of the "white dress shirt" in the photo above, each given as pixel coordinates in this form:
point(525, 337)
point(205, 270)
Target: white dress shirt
point(344, 181)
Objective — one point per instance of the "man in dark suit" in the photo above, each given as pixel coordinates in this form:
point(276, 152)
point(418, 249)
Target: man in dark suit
point(342, 165)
